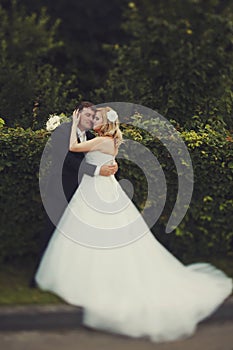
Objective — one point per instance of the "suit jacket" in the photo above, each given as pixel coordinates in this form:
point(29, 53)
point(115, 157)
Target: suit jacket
point(66, 171)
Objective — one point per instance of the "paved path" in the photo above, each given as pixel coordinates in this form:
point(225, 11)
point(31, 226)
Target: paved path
point(60, 327)
point(207, 337)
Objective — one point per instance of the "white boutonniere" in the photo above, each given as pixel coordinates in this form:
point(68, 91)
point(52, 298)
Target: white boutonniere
point(55, 120)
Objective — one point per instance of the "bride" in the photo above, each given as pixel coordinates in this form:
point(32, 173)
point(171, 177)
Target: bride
point(103, 257)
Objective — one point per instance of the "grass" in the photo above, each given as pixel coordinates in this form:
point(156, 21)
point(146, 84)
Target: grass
point(14, 288)
point(14, 279)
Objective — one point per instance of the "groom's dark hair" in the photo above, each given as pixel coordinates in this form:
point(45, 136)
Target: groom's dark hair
point(85, 104)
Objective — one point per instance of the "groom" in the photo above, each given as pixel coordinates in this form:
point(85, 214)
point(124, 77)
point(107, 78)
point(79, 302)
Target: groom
point(67, 170)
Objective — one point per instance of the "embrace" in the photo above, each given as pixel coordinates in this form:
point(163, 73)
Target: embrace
point(137, 288)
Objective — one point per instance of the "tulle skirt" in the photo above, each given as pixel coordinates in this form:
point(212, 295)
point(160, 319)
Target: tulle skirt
point(137, 289)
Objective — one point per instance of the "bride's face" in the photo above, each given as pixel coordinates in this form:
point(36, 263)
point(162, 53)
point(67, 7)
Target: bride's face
point(97, 121)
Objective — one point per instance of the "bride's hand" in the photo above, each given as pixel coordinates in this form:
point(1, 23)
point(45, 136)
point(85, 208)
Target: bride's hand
point(76, 116)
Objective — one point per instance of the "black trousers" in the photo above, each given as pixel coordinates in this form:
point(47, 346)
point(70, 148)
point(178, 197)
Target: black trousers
point(47, 233)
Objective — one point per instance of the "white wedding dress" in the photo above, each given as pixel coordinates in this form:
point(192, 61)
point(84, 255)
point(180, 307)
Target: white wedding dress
point(136, 288)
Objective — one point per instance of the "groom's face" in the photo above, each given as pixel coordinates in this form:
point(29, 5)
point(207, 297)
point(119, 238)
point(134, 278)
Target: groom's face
point(86, 119)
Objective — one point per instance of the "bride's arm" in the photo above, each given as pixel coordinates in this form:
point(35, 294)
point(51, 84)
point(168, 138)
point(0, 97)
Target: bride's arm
point(85, 146)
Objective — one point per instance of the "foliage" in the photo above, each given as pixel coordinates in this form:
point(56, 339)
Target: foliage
point(31, 86)
point(178, 60)
point(206, 228)
point(85, 28)
point(170, 55)
point(209, 220)
point(21, 208)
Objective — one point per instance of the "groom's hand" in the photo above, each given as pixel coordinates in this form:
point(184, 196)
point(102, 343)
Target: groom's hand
point(107, 170)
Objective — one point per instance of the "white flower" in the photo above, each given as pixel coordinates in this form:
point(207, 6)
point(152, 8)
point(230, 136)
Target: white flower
point(53, 122)
point(112, 115)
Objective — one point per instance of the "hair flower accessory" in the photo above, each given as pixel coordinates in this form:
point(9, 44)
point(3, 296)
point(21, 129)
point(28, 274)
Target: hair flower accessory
point(112, 115)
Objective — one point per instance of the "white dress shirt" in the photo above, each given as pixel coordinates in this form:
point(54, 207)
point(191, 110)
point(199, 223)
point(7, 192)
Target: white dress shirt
point(81, 135)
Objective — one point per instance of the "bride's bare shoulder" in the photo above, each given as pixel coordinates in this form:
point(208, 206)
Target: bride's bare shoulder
point(105, 139)
point(106, 144)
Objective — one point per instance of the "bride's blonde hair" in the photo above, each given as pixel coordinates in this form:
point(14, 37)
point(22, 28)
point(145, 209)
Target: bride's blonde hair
point(110, 128)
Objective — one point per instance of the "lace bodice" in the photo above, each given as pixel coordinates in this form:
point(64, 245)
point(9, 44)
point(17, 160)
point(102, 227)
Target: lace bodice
point(99, 158)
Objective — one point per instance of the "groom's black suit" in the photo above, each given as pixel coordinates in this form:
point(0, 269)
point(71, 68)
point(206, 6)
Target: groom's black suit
point(66, 171)
point(74, 165)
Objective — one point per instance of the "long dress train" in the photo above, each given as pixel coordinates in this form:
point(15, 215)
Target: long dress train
point(135, 289)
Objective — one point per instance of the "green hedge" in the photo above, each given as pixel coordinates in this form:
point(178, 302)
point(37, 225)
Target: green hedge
point(206, 229)
point(21, 208)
